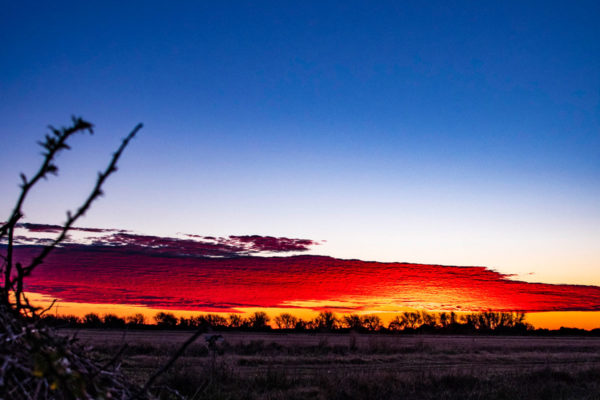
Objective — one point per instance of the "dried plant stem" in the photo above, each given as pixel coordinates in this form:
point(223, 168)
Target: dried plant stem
point(94, 194)
point(168, 365)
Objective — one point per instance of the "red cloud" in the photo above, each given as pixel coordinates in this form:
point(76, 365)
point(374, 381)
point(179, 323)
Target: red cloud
point(223, 273)
point(140, 273)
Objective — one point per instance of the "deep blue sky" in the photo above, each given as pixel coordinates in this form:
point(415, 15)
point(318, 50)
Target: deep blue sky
point(448, 132)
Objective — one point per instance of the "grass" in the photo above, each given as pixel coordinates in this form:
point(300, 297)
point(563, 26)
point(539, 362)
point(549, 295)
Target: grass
point(334, 366)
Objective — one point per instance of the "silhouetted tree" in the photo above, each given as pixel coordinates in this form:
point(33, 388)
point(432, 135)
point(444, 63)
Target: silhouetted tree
point(136, 319)
point(185, 323)
point(326, 321)
point(371, 322)
point(165, 320)
point(428, 319)
point(259, 320)
point(213, 321)
point(286, 321)
point(353, 322)
point(113, 321)
point(444, 319)
point(396, 324)
point(301, 325)
point(71, 320)
point(61, 320)
point(453, 318)
point(197, 321)
point(235, 321)
point(411, 320)
point(92, 320)
point(442, 322)
point(311, 325)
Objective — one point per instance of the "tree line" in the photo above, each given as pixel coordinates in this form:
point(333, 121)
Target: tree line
point(325, 321)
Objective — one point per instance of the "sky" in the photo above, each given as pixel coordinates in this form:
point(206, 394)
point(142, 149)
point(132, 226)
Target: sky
point(452, 133)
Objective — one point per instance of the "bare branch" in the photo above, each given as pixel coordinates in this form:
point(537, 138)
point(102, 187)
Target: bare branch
point(45, 310)
point(94, 194)
point(168, 365)
point(53, 145)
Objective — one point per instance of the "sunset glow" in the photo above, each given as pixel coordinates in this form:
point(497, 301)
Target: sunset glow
point(230, 275)
point(548, 320)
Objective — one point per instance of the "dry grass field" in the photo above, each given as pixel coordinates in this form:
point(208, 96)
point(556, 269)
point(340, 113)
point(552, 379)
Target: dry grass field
point(348, 366)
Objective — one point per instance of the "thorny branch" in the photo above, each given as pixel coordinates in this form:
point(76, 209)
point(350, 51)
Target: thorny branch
point(72, 218)
point(53, 145)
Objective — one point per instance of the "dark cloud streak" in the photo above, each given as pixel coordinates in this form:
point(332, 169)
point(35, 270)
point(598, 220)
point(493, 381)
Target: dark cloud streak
point(192, 246)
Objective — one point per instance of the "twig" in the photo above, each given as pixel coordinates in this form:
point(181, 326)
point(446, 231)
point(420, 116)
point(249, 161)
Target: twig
point(115, 358)
point(45, 310)
point(72, 218)
point(53, 145)
point(95, 193)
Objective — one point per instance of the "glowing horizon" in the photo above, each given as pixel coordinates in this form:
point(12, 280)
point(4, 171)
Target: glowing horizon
point(545, 320)
point(238, 273)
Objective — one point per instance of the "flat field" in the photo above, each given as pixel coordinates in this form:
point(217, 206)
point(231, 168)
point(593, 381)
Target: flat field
point(360, 366)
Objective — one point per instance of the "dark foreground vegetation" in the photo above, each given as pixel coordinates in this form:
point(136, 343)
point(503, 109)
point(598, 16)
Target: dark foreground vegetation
point(276, 365)
point(450, 323)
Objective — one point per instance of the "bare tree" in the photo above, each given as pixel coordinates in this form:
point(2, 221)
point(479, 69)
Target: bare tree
point(353, 321)
point(411, 320)
point(92, 320)
point(137, 319)
point(166, 319)
point(327, 321)
point(444, 319)
point(286, 321)
point(259, 320)
point(428, 319)
point(371, 322)
point(396, 324)
point(216, 321)
point(235, 320)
